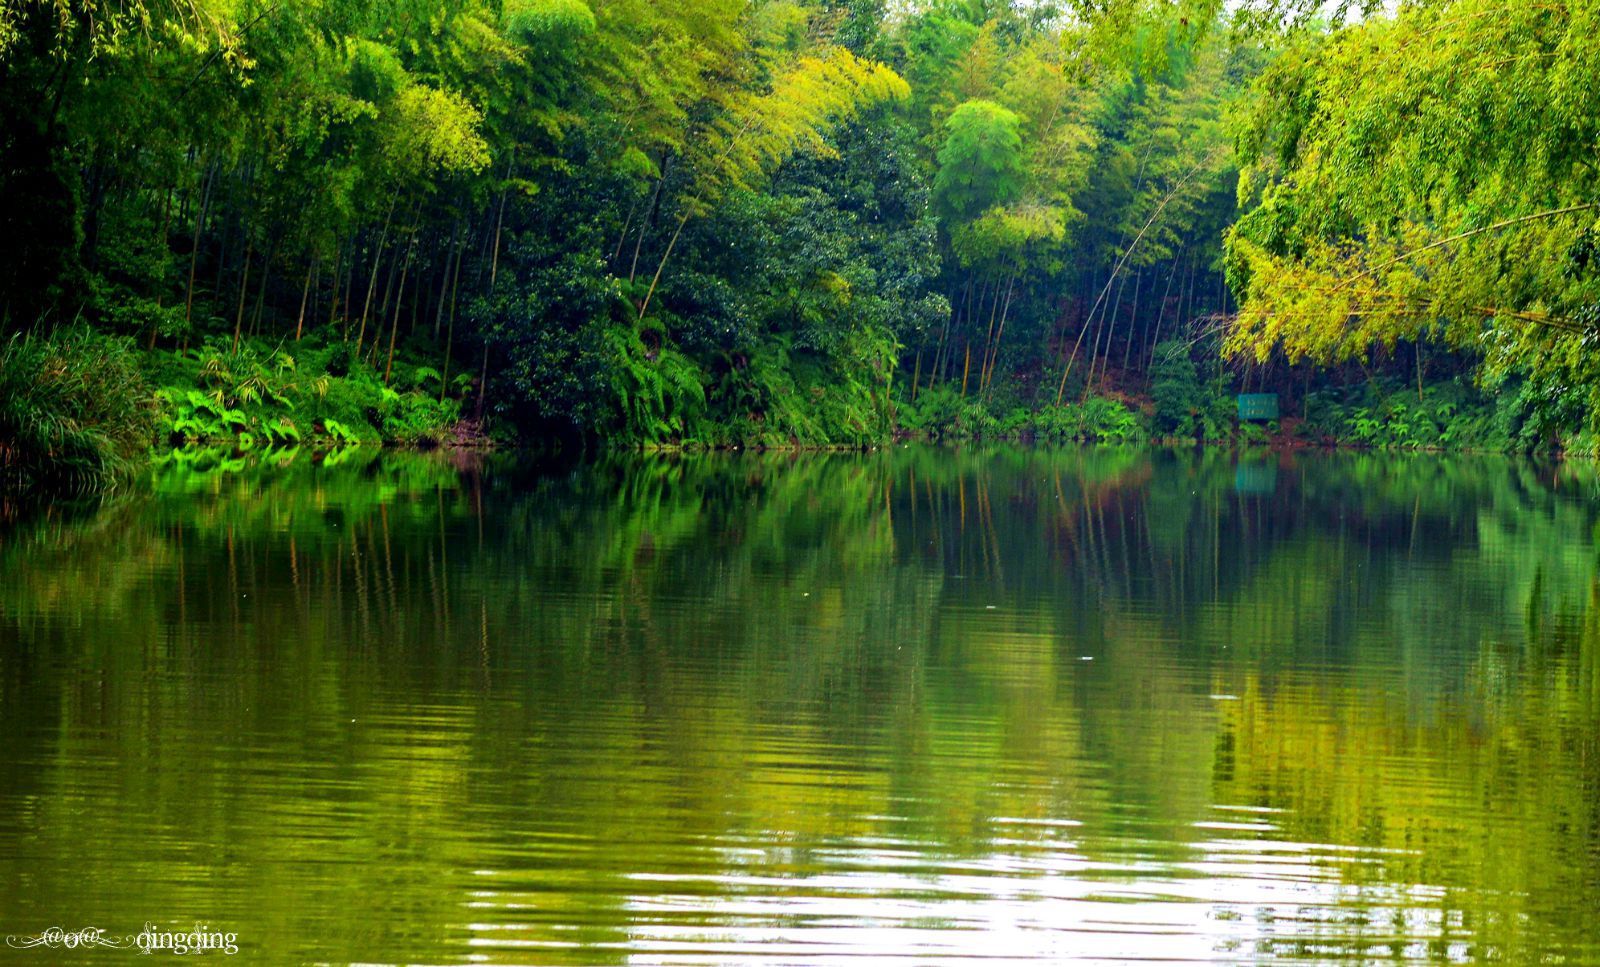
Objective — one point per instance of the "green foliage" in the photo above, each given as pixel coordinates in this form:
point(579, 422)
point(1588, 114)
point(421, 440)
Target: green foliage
point(416, 419)
point(1188, 406)
point(339, 432)
point(748, 184)
point(815, 94)
point(1097, 419)
point(258, 396)
point(1428, 174)
point(935, 414)
point(658, 391)
point(74, 410)
point(980, 164)
point(711, 223)
point(548, 21)
point(1176, 390)
point(941, 414)
point(436, 131)
point(1448, 416)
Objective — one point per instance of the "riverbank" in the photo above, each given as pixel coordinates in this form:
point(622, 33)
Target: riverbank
point(80, 410)
point(1379, 413)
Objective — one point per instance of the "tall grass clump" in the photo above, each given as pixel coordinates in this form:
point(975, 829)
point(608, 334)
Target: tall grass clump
point(75, 413)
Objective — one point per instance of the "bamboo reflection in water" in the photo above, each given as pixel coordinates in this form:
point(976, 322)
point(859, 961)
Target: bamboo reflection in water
point(653, 700)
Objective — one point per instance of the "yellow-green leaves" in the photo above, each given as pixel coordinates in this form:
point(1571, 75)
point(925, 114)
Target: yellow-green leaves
point(436, 131)
point(755, 132)
point(1002, 235)
point(1433, 169)
point(1316, 307)
point(813, 95)
point(99, 26)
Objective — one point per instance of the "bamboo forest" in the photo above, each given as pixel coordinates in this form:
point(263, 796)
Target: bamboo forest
point(800, 482)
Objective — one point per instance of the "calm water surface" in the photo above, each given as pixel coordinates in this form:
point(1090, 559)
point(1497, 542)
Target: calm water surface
point(920, 706)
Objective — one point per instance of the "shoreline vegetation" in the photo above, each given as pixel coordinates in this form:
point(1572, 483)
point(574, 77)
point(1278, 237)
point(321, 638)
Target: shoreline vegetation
point(83, 410)
point(593, 224)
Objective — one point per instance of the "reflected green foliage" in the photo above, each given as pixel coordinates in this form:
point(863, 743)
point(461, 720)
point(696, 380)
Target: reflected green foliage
point(1281, 707)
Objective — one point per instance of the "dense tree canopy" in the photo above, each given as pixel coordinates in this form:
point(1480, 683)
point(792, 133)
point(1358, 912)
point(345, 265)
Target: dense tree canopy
point(1430, 175)
point(763, 221)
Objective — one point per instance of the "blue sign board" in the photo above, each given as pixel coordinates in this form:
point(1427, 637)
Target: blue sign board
point(1258, 406)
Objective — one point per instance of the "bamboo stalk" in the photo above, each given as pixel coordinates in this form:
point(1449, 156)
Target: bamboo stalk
point(244, 284)
point(450, 336)
point(305, 293)
point(394, 326)
point(494, 261)
point(1005, 310)
point(1404, 256)
point(372, 281)
point(194, 252)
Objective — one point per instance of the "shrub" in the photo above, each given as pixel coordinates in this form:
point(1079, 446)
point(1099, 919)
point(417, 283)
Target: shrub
point(1452, 415)
point(1186, 403)
point(934, 413)
point(74, 410)
point(1175, 389)
point(1096, 419)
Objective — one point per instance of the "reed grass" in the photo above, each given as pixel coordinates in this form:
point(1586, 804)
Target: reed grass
point(75, 412)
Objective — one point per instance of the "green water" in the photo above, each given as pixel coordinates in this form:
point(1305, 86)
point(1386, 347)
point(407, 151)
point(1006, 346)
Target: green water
point(920, 704)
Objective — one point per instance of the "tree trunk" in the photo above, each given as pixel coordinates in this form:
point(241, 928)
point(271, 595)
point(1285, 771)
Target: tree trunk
point(1061, 388)
point(305, 293)
point(450, 337)
point(994, 311)
point(1005, 310)
point(622, 237)
point(333, 304)
point(499, 222)
point(372, 281)
point(952, 325)
point(164, 240)
point(444, 280)
point(244, 282)
point(1161, 313)
point(656, 279)
point(483, 385)
point(1107, 324)
point(1418, 347)
point(418, 300)
point(649, 216)
point(349, 287)
point(90, 251)
point(1133, 320)
point(194, 252)
point(261, 292)
point(394, 327)
point(383, 308)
